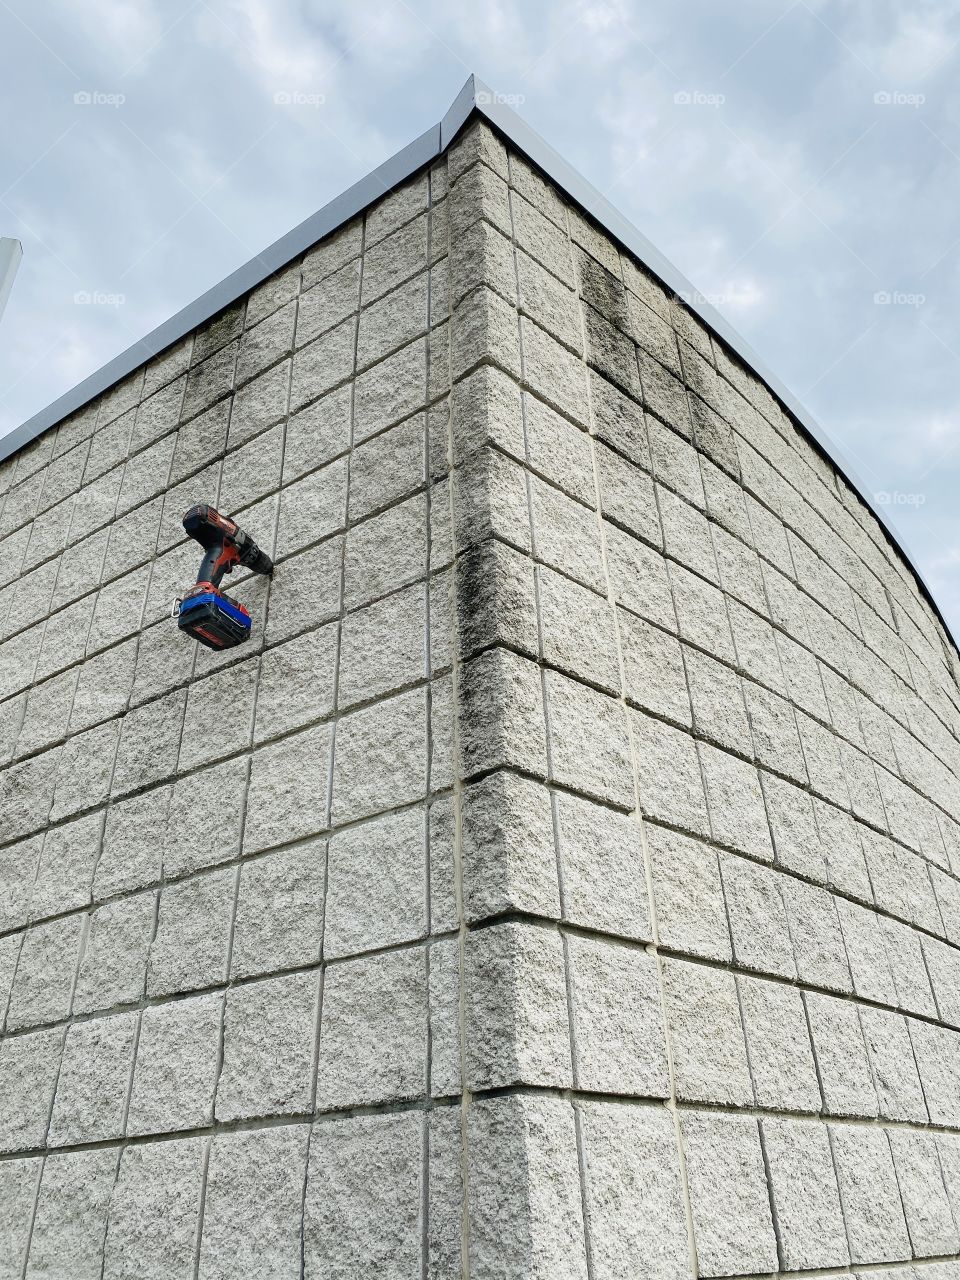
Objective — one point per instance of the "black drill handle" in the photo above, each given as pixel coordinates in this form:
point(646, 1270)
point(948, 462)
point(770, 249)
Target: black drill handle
point(219, 559)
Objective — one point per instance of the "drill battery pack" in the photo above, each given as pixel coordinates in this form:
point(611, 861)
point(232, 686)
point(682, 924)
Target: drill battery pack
point(213, 618)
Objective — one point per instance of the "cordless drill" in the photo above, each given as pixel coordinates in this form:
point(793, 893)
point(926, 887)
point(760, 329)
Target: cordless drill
point(205, 612)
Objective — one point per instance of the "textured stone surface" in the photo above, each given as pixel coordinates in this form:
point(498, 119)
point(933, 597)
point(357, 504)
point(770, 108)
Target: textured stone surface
point(525, 1202)
point(593, 747)
point(376, 875)
point(177, 1062)
point(732, 1226)
point(805, 1194)
point(373, 1030)
point(94, 1079)
point(633, 1191)
point(268, 1047)
point(155, 1211)
point(252, 1207)
point(870, 1195)
point(362, 1210)
point(618, 1022)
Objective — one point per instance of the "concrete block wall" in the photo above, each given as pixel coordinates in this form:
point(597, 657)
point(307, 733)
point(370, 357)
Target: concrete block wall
point(565, 880)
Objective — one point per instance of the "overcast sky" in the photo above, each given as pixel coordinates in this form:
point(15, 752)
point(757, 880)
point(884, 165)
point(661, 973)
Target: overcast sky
point(799, 162)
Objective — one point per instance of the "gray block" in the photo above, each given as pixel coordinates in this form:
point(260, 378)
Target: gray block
point(155, 1211)
point(177, 1063)
point(362, 1207)
point(508, 855)
point(843, 1067)
point(91, 1099)
point(732, 1227)
point(516, 1022)
point(618, 1032)
point(872, 1208)
point(899, 1092)
point(288, 789)
point(29, 1066)
point(501, 715)
point(279, 916)
point(43, 985)
point(706, 1034)
point(252, 1209)
point(381, 757)
point(268, 1048)
point(589, 742)
point(633, 1194)
point(930, 1221)
point(758, 920)
point(190, 948)
point(373, 1030)
point(604, 880)
point(382, 648)
point(71, 1216)
point(531, 1223)
point(689, 895)
point(18, 1190)
point(197, 834)
point(778, 1044)
point(114, 964)
point(806, 1198)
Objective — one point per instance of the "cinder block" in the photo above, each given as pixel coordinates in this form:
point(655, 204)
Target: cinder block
point(94, 1081)
point(604, 879)
point(373, 1031)
point(778, 1045)
point(806, 1198)
point(617, 1019)
point(71, 1214)
point(872, 1208)
point(525, 1223)
point(631, 1158)
point(252, 1210)
point(843, 1067)
point(706, 1034)
point(154, 1213)
point(18, 1190)
point(930, 1222)
point(516, 1022)
point(177, 1063)
point(508, 855)
point(670, 782)
point(29, 1066)
point(377, 884)
point(287, 799)
point(113, 967)
point(501, 715)
point(689, 895)
point(729, 1201)
point(899, 1091)
point(43, 985)
point(268, 1047)
point(362, 1208)
point(589, 742)
point(192, 938)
